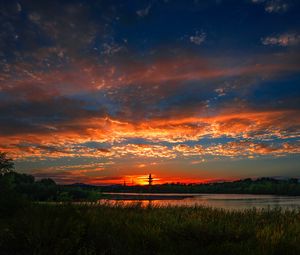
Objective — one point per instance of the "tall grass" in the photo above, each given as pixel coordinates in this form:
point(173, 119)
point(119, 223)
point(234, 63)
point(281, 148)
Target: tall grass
point(94, 229)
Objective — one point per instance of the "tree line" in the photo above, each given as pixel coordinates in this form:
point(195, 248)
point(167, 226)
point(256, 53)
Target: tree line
point(267, 186)
point(18, 189)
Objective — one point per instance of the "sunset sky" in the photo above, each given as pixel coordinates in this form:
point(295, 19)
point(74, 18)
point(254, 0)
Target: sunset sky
point(103, 92)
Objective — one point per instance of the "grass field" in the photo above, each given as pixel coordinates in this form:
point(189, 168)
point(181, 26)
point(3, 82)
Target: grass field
point(88, 229)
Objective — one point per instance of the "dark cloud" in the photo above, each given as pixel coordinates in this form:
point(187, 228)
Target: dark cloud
point(45, 116)
point(113, 74)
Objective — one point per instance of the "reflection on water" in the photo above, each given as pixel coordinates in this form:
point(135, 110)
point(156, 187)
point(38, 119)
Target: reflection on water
point(225, 201)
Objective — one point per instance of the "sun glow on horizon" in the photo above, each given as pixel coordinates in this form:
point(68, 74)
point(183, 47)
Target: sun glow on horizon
point(143, 180)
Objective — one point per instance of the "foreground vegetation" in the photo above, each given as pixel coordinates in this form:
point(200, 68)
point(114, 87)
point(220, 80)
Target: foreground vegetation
point(94, 229)
point(28, 226)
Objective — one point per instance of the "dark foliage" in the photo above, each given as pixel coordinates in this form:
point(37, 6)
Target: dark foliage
point(24, 186)
point(289, 187)
point(93, 229)
point(6, 164)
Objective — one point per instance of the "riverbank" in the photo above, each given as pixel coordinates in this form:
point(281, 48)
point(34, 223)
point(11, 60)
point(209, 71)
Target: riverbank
point(82, 229)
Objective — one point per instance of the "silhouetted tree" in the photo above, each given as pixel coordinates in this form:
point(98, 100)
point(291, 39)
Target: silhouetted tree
point(47, 182)
point(6, 164)
point(10, 199)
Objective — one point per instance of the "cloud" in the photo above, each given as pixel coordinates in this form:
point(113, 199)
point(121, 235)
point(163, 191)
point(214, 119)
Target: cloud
point(68, 176)
point(84, 76)
point(70, 172)
point(144, 12)
point(73, 89)
point(144, 150)
point(276, 6)
point(68, 139)
point(186, 150)
point(198, 38)
point(111, 49)
point(239, 149)
point(284, 40)
point(273, 6)
point(220, 91)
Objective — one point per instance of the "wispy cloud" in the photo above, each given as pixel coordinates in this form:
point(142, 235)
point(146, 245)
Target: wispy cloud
point(198, 38)
point(239, 149)
point(276, 6)
point(284, 40)
point(145, 11)
point(273, 6)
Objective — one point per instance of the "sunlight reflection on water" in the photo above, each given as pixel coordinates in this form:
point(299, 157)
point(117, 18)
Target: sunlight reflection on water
point(224, 201)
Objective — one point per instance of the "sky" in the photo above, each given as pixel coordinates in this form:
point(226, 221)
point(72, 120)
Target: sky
point(106, 92)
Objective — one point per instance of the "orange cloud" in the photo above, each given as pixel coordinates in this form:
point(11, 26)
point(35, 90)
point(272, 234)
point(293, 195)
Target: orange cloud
point(83, 76)
point(239, 148)
point(68, 142)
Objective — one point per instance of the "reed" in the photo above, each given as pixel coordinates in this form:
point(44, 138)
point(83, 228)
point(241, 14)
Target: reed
point(105, 229)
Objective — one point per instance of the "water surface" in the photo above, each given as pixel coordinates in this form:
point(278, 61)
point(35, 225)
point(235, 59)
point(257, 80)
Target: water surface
point(225, 201)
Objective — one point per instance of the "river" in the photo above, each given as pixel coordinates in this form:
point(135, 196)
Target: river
point(225, 201)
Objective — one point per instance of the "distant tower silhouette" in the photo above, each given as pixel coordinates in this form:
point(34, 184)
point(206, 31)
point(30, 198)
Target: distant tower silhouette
point(150, 180)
